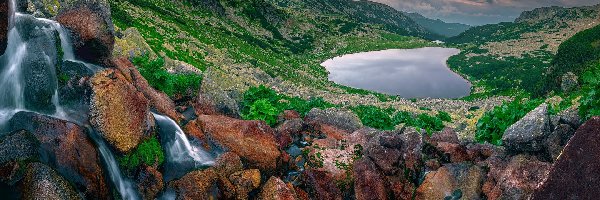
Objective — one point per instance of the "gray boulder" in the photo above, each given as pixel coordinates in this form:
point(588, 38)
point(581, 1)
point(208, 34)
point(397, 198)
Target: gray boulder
point(339, 118)
point(529, 133)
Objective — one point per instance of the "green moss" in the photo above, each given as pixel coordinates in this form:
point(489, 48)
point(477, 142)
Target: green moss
point(149, 152)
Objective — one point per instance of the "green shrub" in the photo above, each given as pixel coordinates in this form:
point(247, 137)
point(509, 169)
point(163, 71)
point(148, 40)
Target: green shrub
point(492, 125)
point(374, 117)
point(404, 117)
point(171, 84)
point(444, 116)
point(148, 152)
point(590, 101)
point(263, 110)
point(428, 123)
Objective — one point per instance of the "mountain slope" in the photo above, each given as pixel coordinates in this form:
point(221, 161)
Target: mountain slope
point(505, 56)
point(438, 26)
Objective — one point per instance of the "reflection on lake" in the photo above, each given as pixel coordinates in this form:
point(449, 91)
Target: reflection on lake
point(409, 73)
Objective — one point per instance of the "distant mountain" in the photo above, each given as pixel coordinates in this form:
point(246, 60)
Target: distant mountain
point(438, 26)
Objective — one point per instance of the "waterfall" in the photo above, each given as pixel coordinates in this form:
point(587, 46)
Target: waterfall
point(180, 153)
point(124, 186)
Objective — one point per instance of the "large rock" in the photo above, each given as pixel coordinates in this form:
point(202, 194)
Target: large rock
point(74, 89)
point(196, 184)
point(340, 119)
point(558, 139)
point(91, 24)
point(452, 180)
point(211, 95)
point(5, 18)
point(66, 147)
point(517, 180)
point(41, 182)
point(118, 110)
point(575, 174)
point(320, 185)
point(529, 133)
point(276, 189)
point(150, 182)
point(15, 148)
point(245, 181)
point(132, 44)
point(253, 141)
point(369, 182)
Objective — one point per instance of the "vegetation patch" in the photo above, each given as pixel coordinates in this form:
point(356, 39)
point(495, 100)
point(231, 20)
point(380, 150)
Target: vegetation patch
point(171, 84)
point(590, 101)
point(493, 124)
point(149, 152)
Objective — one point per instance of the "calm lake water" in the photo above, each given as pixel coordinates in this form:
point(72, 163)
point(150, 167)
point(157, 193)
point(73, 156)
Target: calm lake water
point(409, 73)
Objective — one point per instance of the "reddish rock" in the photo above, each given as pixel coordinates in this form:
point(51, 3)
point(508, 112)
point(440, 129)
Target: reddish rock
point(290, 114)
point(320, 185)
point(387, 159)
point(118, 110)
point(301, 194)
point(341, 119)
point(253, 141)
point(42, 182)
point(456, 152)
point(204, 106)
point(411, 149)
point(276, 189)
point(196, 185)
point(289, 129)
point(245, 181)
point(158, 100)
point(369, 182)
point(447, 135)
point(450, 178)
point(150, 182)
point(518, 179)
point(401, 187)
point(94, 35)
point(228, 163)
point(71, 152)
point(4, 24)
point(575, 174)
point(480, 152)
point(193, 130)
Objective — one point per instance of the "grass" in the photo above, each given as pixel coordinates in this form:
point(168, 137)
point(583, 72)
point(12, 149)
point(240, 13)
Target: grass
point(171, 84)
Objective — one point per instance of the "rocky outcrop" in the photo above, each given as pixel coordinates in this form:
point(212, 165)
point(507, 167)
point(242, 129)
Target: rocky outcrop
point(276, 189)
point(243, 138)
point(321, 185)
point(343, 120)
point(245, 181)
point(457, 181)
point(515, 180)
point(66, 147)
point(196, 185)
point(130, 43)
point(150, 182)
point(118, 110)
point(369, 182)
point(212, 96)
point(5, 18)
point(92, 29)
point(575, 174)
point(529, 133)
point(41, 182)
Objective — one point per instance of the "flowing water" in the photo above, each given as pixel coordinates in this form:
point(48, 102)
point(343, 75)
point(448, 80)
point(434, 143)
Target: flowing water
point(408, 73)
point(181, 154)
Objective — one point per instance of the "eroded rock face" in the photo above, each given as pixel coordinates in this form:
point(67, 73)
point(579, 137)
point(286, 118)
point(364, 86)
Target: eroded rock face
point(42, 182)
point(276, 189)
point(92, 29)
point(575, 174)
point(253, 141)
point(118, 110)
point(528, 134)
point(67, 148)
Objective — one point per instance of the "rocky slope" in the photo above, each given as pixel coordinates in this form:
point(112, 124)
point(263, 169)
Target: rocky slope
point(438, 26)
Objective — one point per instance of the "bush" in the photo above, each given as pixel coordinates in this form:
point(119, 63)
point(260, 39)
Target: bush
point(375, 117)
point(171, 84)
point(590, 101)
point(263, 110)
point(492, 125)
point(428, 123)
point(444, 116)
point(148, 152)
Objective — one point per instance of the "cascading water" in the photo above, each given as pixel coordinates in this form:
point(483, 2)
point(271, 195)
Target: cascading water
point(181, 154)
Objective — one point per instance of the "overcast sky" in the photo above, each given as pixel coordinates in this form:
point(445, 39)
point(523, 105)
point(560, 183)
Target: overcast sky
point(477, 12)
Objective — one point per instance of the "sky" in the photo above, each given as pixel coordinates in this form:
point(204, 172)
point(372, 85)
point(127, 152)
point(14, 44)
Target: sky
point(478, 12)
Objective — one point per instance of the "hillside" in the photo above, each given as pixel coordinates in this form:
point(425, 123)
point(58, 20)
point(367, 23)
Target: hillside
point(438, 26)
point(505, 56)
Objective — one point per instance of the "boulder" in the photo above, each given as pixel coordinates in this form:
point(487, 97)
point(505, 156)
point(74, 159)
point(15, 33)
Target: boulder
point(157, 100)
point(558, 139)
point(5, 18)
point(42, 182)
point(568, 82)
point(344, 120)
point(92, 28)
point(386, 159)
point(517, 180)
point(243, 137)
point(288, 130)
point(320, 185)
point(245, 181)
point(529, 133)
point(66, 147)
point(452, 180)
point(276, 189)
point(227, 164)
point(150, 182)
point(575, 174)
point(369, 182)
point(74, 89)
point(15, 148)
point(196, 185)
point(118, 111)
point(214, 97)
point(131, 44)
point(412, 147)
point(571, 117)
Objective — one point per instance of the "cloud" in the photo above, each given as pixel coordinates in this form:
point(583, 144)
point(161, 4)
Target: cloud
point(477, 12)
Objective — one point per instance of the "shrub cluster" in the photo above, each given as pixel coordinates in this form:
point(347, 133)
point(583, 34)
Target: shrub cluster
point(171, 84)
point(387, 119)
point(491, 127)
point(590, 100)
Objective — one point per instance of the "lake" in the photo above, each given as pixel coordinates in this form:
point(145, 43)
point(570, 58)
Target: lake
point(408, 73)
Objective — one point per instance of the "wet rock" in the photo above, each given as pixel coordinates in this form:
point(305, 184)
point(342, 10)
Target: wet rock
point(452, 179)
point(224, 102)
point(5, 18)
point(528, 134)
point(118, 110)
point(42, 182)
point(288, 130)
point(276, 189)
point(341, 119)
point(15, 148)
point(74, 89)
point(150, 182)
point(66, 147)
point(575, 174)
point(243, 137)
point(369, 182)
point(196, 185)
point(320, 185)
point(157, 100)
point(518, 179)
point(93, 31)
point(245, 181)
point(568, 82)
point(558, 139)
